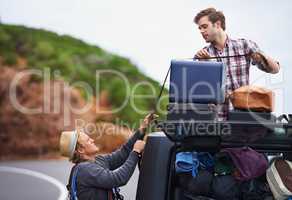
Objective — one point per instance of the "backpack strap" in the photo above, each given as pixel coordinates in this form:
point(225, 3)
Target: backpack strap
point(68, 186)
point(72, 184)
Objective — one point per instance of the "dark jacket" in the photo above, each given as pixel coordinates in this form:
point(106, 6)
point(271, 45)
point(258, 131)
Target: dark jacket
point(96, 179)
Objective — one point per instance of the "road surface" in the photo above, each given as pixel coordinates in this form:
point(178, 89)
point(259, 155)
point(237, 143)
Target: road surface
point(43, 180)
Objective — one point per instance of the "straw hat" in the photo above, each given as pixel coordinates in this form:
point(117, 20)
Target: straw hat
point(68, 142)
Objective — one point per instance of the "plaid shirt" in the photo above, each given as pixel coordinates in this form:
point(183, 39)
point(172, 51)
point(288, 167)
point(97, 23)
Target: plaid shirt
point(237, 68)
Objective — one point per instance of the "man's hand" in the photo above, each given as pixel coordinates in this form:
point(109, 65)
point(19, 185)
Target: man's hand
point(267, 64)
point(147, 121)
point(139, 146)
point(259, 58)
point(202, 54)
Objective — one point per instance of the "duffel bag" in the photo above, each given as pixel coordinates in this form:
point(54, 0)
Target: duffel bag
point(253, 98)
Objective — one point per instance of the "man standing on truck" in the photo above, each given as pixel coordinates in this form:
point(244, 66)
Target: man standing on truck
point(99, 176)
point(211, 24)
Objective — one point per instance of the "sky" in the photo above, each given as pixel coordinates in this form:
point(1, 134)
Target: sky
point(151, 33)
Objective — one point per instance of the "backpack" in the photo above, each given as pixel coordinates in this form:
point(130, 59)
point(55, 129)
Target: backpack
point(249, 163)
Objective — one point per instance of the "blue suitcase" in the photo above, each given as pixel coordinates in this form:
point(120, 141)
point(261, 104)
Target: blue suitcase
point(197, 82)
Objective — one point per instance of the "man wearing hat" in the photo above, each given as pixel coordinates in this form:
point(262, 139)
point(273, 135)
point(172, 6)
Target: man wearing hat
point(99, 176)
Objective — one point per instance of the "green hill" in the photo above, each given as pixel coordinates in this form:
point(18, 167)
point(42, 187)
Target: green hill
point(79, 61)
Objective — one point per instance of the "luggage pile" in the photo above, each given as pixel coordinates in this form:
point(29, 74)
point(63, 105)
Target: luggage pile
point(239, 173)
point(233, 174)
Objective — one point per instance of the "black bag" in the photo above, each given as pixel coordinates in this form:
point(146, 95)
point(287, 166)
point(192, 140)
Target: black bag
point(225, 187)
point(191, 111)
point(256, 189)
point(195, 186)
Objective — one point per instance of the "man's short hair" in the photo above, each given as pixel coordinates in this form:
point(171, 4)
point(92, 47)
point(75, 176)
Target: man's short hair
point(213, 16)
